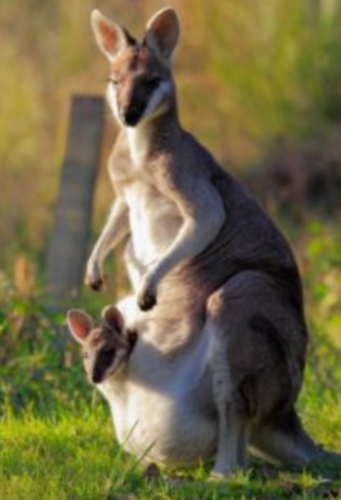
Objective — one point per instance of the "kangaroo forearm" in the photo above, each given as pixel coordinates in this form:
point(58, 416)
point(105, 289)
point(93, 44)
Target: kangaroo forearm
point(116, 228)
point(108, 240)
point(190, 242)
point(203, 214)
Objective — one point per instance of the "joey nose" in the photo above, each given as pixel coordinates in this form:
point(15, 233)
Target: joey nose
point(96, 377)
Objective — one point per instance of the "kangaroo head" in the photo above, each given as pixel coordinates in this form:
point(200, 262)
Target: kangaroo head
point(140, 84)
point(107, 347)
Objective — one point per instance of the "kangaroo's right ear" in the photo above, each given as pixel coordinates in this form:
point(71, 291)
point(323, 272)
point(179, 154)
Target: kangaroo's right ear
point(80, 324)
point(110, 37)
point(113, 318)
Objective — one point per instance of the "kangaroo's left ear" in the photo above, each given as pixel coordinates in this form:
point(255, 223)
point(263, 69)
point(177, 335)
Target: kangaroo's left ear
point(80, 324)
point(162, 32)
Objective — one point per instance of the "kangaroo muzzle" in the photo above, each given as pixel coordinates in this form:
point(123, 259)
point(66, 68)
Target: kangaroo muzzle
point(132, 115)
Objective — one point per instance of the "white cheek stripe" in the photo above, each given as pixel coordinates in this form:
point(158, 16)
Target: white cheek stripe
point(163, 90)
point(112, 101)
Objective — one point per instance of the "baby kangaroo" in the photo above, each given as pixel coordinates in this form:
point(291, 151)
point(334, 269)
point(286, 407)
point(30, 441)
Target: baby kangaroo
point(106, 347)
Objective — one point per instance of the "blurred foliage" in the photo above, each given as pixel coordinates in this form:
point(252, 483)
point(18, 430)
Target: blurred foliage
point(37, 363)
point(320, 253)
point(257, 71)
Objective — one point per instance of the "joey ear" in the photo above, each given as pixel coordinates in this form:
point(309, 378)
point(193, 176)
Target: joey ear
point(80, 324)
point(113, 318)
point(110, 37)
point(162, 32)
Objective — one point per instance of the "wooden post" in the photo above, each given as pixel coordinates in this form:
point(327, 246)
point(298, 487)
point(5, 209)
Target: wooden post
point(68, 245)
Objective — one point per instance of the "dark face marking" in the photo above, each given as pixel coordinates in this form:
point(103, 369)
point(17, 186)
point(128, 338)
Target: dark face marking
point(136, 74)
point(104, 360)
point(104, 350)
point(99, 353)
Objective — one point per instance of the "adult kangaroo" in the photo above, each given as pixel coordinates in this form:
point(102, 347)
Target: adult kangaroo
point(211, 270)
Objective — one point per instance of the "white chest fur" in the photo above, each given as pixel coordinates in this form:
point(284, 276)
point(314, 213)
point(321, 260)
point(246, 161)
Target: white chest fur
point(138, 141)
point(154, 220)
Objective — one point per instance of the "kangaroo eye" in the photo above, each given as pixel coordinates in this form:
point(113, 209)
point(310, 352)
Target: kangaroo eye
point(114, 81)
point(85, 355)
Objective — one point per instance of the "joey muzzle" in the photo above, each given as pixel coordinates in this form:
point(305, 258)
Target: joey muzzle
point(96, 376)
point(105, 359)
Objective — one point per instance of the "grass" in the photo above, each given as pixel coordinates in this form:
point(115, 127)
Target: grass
point(73, 456)
point(68, 453)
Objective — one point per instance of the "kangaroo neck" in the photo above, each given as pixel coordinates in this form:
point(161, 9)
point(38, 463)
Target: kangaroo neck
point(154, 136)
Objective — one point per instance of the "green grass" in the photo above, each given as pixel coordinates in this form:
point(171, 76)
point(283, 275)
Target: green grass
point(70, 454)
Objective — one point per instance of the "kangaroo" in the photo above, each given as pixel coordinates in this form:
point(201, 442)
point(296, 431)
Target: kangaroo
point(200, 246)
point(172, 209)
point(175, 201)
point(163, 403)
point(107, 349)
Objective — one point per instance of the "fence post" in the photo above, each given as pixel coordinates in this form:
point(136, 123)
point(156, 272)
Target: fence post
point(68, 244)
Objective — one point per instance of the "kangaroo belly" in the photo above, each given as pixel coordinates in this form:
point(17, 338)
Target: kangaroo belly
point(171, 430)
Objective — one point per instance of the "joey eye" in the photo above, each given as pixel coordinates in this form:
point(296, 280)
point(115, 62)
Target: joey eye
point(109, 353)
point(85, 355)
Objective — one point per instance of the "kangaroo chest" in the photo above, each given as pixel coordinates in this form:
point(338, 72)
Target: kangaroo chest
point(154, 220)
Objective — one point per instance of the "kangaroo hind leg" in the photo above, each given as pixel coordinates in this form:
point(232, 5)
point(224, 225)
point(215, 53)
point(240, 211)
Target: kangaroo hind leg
point(255, 370)
point(232, 426)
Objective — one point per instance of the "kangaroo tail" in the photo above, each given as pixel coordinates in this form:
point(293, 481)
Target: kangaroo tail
point(284, 442)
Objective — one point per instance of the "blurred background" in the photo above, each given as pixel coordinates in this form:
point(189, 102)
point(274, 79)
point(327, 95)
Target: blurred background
point(258, 82)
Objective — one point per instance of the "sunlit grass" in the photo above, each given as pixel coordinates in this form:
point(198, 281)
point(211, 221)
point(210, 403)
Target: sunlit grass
point(73, 456)
point(68, 452)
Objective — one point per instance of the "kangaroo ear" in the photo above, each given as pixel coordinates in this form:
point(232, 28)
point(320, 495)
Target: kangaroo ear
point(80, 324)
point(110, 37)
point(162, 32)
point(113, 318)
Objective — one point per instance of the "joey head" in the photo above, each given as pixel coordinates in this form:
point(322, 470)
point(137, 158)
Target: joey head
point(106, 347)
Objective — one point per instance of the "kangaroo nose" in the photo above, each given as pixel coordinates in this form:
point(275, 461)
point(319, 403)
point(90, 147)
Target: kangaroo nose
point(132, 115)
